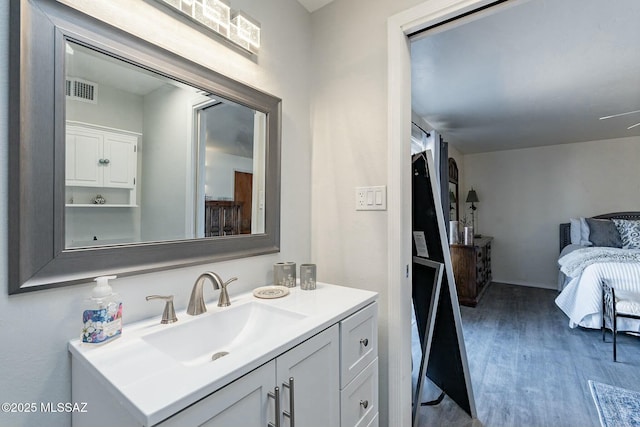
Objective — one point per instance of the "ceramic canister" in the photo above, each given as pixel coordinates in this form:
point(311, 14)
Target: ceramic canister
point(307, 277)
point(284, 274)
point(468, 235)
point(454, 232)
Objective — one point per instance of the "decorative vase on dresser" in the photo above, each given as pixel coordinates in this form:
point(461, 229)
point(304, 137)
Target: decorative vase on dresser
point(472, 269)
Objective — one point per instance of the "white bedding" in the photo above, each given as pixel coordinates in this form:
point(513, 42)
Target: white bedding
point(581, 298)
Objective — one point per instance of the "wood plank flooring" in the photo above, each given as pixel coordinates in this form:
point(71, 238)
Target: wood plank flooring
point(528, 368)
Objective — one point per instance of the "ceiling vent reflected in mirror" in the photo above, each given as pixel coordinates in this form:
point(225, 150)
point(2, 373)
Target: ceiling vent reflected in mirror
point(81, 90)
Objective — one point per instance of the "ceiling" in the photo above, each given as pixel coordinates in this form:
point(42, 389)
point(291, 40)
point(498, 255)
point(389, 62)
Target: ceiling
point(228, 128)
point(313, 5)
point(98, 68)
point(531, 73)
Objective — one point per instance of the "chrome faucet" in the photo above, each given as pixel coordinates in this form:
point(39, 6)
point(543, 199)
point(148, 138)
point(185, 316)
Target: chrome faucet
point(196, 302)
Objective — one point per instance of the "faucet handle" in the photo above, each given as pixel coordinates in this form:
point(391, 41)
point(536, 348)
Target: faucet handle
point(169, 313)
point(224, 285)
point(223, 300)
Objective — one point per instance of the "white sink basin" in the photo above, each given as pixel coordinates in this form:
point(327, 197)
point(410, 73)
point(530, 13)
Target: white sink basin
point(212, 335)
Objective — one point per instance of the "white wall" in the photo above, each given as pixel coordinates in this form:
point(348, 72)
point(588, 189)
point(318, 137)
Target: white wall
point(167, 164)
point(35, 327)
point(524, 195)
point(108, 225)
point(349, 128)
point(220, 177)
point(115, 108)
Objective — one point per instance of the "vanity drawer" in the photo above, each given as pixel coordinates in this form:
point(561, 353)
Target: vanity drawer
point(359, 400)
point(358, 342)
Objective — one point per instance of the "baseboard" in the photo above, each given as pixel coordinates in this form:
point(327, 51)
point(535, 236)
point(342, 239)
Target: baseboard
point(553, 286)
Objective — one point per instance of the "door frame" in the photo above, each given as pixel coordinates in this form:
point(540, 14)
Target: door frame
point(422, 16)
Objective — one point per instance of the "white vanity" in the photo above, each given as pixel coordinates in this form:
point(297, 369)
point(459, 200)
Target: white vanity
point(307, 359)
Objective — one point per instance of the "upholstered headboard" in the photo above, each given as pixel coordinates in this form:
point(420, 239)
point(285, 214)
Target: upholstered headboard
point(565, 229)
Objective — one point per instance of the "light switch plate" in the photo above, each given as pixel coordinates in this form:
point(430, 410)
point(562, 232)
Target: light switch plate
point(371, 198)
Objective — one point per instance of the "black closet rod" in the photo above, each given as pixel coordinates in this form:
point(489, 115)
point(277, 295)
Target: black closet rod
point(419, 127)
point(455, 18)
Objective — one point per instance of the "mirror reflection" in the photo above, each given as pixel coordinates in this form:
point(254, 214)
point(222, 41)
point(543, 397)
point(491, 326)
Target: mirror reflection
point(150, 159)
point(454, 203)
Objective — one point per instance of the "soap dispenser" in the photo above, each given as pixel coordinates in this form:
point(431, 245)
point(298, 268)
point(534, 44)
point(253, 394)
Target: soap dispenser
point(102, 317)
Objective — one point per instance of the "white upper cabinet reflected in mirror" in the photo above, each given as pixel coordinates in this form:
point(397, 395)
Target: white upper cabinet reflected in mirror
point(150, 159)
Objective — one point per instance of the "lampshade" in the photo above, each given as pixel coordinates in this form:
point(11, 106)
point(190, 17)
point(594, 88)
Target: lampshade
point(472, 197)
point(452, 197)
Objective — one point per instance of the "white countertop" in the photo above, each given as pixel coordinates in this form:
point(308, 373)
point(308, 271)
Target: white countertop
point(153, 386)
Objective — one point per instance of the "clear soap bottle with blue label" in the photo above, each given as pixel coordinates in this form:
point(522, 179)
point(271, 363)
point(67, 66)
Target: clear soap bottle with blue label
point(102, 317)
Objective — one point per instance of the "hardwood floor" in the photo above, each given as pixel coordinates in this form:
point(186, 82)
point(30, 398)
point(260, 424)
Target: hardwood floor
point(528, 368)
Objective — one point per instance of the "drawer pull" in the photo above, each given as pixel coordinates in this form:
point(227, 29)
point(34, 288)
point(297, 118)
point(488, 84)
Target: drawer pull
point(275, 396)
point(290, 413)
point(364, 342)
point(364, 403)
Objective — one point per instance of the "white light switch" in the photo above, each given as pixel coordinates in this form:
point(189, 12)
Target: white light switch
point(371, 198)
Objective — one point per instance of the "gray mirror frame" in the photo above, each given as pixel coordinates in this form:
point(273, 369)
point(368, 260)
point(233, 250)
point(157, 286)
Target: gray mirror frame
point(37, 256)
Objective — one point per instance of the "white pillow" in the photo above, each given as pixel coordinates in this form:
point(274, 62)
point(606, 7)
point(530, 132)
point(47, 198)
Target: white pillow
point(579, 232)
point(584, 233)
point(576, 232)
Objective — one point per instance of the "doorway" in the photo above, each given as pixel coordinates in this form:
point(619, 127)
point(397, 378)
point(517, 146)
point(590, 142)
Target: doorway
point(427, 14)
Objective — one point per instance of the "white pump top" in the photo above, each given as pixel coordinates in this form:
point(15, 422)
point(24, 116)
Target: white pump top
point(102, 289)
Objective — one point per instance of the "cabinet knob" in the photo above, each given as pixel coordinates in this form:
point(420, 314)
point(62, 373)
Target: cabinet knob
point(364, 342)
point(364, 403)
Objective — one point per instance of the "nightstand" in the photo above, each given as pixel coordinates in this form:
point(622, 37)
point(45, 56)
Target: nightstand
point(472, 269)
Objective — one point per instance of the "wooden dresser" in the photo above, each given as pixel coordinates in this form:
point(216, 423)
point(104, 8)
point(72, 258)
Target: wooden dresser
point(472, 269)
point(222, 218)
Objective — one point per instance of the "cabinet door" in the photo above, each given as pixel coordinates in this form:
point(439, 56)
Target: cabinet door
point(244, 402)
point(83, 154)
point(314, 367)
point(120, 151)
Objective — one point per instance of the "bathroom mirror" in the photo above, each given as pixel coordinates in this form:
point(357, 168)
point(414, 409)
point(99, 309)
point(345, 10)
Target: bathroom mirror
point(148, 158)
point(454, 203)
point(127, 158)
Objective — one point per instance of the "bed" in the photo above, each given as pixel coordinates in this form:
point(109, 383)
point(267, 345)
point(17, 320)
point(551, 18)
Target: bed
point(583, 269)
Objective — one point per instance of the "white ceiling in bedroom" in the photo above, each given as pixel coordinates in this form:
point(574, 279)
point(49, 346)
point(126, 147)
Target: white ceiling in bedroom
point(538, 72)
